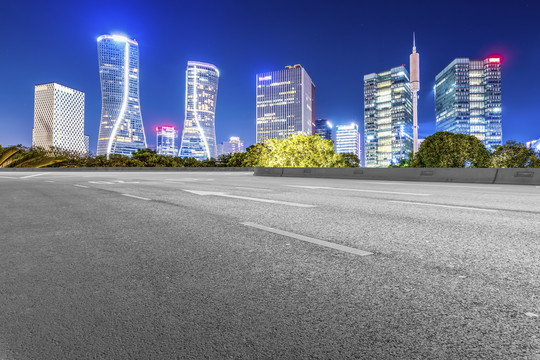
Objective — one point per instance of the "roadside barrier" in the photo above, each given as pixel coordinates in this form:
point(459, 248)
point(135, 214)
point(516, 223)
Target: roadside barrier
point(463, 175)
point(218, 169)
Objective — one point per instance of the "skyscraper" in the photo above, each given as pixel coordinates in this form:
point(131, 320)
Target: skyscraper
point(388, 117)
point(234, 145)
point(59, 118)
point(414, 62)
point(199, 135)
point(167, 140)
point(347, 139)
point(323, 128)
point(121, 129)
point(285, 103)
point(468, 99)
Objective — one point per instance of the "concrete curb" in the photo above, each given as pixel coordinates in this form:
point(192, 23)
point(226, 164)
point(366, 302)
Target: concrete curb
point(180, 169)
point(459, 175)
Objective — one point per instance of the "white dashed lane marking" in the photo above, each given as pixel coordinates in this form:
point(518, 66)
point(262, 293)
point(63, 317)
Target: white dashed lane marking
point(29, 176)
point(358, 190)
point(446, 206)
point(136, 197)
point(212, 193)
point(309, 239)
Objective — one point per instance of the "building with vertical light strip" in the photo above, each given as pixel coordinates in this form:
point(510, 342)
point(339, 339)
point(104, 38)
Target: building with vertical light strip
point(59, 118)
point(199, 134)
point(121, 129)
point(166, 140)
point(388, 117)
point(347, 139)
point(468, 99)
point(285, 103)
point(323, 128)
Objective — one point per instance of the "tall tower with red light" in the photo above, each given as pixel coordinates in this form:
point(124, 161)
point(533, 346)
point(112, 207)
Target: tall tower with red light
point(468, 99)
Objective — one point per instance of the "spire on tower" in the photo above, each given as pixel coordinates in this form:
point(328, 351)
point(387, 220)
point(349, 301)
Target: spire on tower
point(413, 42)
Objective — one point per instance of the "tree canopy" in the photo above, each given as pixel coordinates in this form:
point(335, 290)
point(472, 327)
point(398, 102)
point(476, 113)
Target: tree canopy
point(299, 150)
point(449, 150)
point(514, 155)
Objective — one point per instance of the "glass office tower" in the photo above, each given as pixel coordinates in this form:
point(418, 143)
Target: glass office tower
point(285, 103)
point(468, 99)
point(323, 128)
point(121, 129)
point(166, 140)
point(199, 135)
point(59, 118)
point(347, 139)
point(388, 117)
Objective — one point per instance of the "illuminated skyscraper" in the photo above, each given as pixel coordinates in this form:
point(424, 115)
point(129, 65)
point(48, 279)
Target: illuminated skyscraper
point(323, 128)
point(199, 135)
point(59, 118)
point(414, 61)
point(121, 129)
point(347, 139)
point(167, 140)
point(468, 99)
point(388, 117)
point(285, 103)
point(234, 145)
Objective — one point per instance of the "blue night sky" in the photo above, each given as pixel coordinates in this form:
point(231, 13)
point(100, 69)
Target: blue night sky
point(336, 42)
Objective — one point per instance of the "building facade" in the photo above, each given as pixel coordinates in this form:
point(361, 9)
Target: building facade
point(167, 140)
point(199, 134)
point(234, 145)
point(347, 139)
point(285, 103)
point(121, 128)
point(388, 117)
point(323, 128)
point(468, 99)
point(59, 118)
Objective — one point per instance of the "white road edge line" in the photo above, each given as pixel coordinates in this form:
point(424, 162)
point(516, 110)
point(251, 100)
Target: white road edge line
point(446, 206)
point(9, 177)
point(358, 190)
point(310, 240)
point(136, 197)
point(83, 186)
point(425, 183)
point(29, 176)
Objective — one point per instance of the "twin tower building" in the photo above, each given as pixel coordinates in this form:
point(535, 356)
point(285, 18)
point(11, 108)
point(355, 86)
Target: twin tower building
point(121, 129)
point(59, 110)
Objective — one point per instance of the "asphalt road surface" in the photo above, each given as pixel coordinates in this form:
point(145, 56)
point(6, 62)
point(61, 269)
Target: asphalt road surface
point(206, 265)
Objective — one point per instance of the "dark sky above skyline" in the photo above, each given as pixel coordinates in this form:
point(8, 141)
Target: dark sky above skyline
point(336, 42)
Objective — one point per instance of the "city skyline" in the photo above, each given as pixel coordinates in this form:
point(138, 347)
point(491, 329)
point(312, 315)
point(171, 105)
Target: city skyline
point(336, 74)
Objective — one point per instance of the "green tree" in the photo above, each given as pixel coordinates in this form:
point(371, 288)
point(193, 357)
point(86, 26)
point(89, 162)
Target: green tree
point(23, 157)
point(299, 150)
point(237, 159)
point(448, 150)
point(514, 155)
point(254, 155)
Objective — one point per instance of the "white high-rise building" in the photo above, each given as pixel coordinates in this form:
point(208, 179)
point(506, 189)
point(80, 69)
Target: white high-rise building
point(347, 139)
point(285, 103)
point(59, 118)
